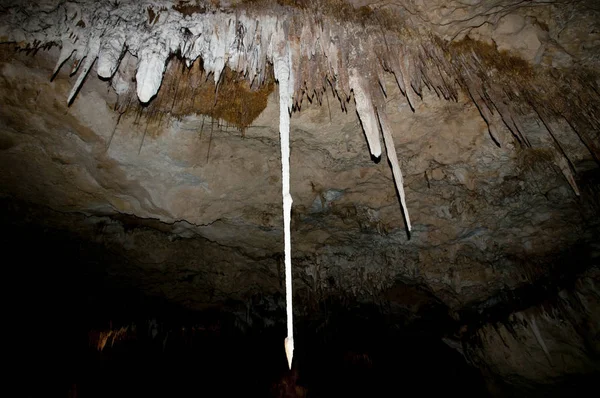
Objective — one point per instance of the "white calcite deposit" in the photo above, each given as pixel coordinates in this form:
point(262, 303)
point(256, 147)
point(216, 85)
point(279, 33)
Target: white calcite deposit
point(240, 39)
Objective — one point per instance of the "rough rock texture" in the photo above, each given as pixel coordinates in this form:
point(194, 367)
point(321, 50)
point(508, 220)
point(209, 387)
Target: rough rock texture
point(556, 340)
point(498, 187)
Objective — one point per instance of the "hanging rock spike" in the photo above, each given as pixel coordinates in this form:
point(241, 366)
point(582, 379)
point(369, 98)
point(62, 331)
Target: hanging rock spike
point(393, 157)
point(366, 112)
point(282, 67)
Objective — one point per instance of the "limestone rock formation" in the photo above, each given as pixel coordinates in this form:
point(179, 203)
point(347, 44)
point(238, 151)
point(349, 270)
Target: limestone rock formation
point(151, 128)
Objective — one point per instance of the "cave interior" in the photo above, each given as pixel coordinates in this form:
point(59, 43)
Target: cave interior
point(440, 160)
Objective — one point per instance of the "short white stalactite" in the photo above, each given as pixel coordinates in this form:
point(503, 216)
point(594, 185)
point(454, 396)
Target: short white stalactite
point(393, 157)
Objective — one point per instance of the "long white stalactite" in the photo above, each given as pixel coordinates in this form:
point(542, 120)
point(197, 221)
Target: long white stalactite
point(282, 75)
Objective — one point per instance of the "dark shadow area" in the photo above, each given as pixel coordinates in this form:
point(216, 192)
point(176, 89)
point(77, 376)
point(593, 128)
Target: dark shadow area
point(61, 298)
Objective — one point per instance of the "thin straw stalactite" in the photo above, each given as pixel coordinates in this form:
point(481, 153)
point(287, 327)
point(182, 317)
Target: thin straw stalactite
point(282, 74)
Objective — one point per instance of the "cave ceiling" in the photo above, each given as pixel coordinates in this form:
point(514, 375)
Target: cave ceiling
point(152, 128)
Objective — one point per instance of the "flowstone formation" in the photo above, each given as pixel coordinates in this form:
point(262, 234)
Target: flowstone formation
point(490, 215)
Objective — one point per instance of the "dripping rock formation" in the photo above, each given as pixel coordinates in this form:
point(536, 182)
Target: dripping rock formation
point(444, 173)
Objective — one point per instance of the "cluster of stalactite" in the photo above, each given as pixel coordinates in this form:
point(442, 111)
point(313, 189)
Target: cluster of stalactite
point(325, 46)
